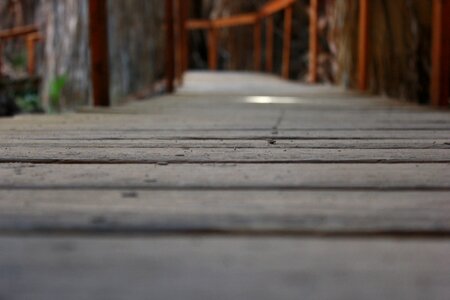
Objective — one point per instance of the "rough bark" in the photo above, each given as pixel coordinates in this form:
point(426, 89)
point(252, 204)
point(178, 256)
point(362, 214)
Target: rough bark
point(400, 39)
point(136, 50)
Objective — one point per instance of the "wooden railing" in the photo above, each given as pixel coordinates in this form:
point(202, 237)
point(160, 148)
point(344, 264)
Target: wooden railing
point(177, 45)
point(32, 37)
point(255, 20)
point(440, 90)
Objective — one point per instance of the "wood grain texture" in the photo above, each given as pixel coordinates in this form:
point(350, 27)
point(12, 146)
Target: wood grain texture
point(233, 155)
point(306, 212)
point(223, 268)
point(227, 176)
point(240, 186)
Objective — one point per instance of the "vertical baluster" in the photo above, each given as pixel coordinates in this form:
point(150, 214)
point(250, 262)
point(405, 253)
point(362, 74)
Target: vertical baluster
point(440, 76)
point(313, 40)
point(98, 32)
point(287, 41)
point(363, 45)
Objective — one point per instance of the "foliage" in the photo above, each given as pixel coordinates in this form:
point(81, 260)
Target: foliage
point(29, 103)
point(55, 92)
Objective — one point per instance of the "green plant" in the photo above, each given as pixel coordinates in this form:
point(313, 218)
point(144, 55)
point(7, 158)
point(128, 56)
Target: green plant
point(55, 91)
point(29, 103)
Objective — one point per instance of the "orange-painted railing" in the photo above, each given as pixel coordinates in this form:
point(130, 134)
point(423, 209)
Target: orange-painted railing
point(177, 27)
point(440, 81)
point(32, 37)
point(255, 20)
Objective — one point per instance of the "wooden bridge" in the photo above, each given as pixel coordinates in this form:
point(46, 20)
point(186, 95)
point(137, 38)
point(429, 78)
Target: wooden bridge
point(239, 186)
point(235, 186)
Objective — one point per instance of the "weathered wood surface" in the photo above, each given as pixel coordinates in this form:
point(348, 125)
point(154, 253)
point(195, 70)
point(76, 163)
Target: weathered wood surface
point(317, 192)
point(229, 144)
point(235, 268)
point(228, 176)
point(223, 268)
point(201, 155)
point(306, 212)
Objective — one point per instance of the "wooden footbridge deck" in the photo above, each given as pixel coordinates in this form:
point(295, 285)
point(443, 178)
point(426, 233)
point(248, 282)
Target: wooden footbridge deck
point(240, 186)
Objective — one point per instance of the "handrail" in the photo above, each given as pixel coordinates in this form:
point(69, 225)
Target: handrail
point(32, 36)
point(274, 7)
point(195, 24)
point(17, 32)
point(238, 20)
point(248, 19)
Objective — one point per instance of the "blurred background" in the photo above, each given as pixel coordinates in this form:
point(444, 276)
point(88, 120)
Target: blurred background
point(399, 63)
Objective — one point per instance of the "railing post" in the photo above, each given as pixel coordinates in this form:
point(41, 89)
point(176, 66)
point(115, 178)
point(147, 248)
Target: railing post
point(287, 41)
point(31, 54)
point(363, 45)
point(269, 44)
point(213, 47)
point(178, 41)
point(170, 46)
point(181, 41)
point(313, 40)
point(257, 44)
point(440, 75)
point(98, 35)
point(186, 10)
point(1, 58)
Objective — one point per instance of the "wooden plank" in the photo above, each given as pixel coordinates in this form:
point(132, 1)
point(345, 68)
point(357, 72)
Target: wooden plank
point(269, 44)
point(440, 75)
point(283, 212)
point(98, 36)
point(228, 268)
point(38, 145)
point(287, 42)
point(200, 155)
point(227, 134)
point(170, 46)
point(313, 40)
point(227, 176)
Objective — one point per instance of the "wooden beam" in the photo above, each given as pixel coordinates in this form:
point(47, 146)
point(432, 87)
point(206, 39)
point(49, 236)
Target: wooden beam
point(195, 24)
point(313, 40)
point(170, 46)
point(270, 28)
point(17, 32)
point(287, 41)
point(440, 75)
point(238, 20)
point(98, 35)
point(363, 45)
point(275, 6)
point(213, 48)
point(257, 45)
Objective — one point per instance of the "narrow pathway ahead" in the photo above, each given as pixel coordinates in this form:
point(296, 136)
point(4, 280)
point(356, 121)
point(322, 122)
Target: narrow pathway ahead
point(241, 186)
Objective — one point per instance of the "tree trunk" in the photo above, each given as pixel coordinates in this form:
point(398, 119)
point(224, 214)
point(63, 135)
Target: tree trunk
point(400, 39)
